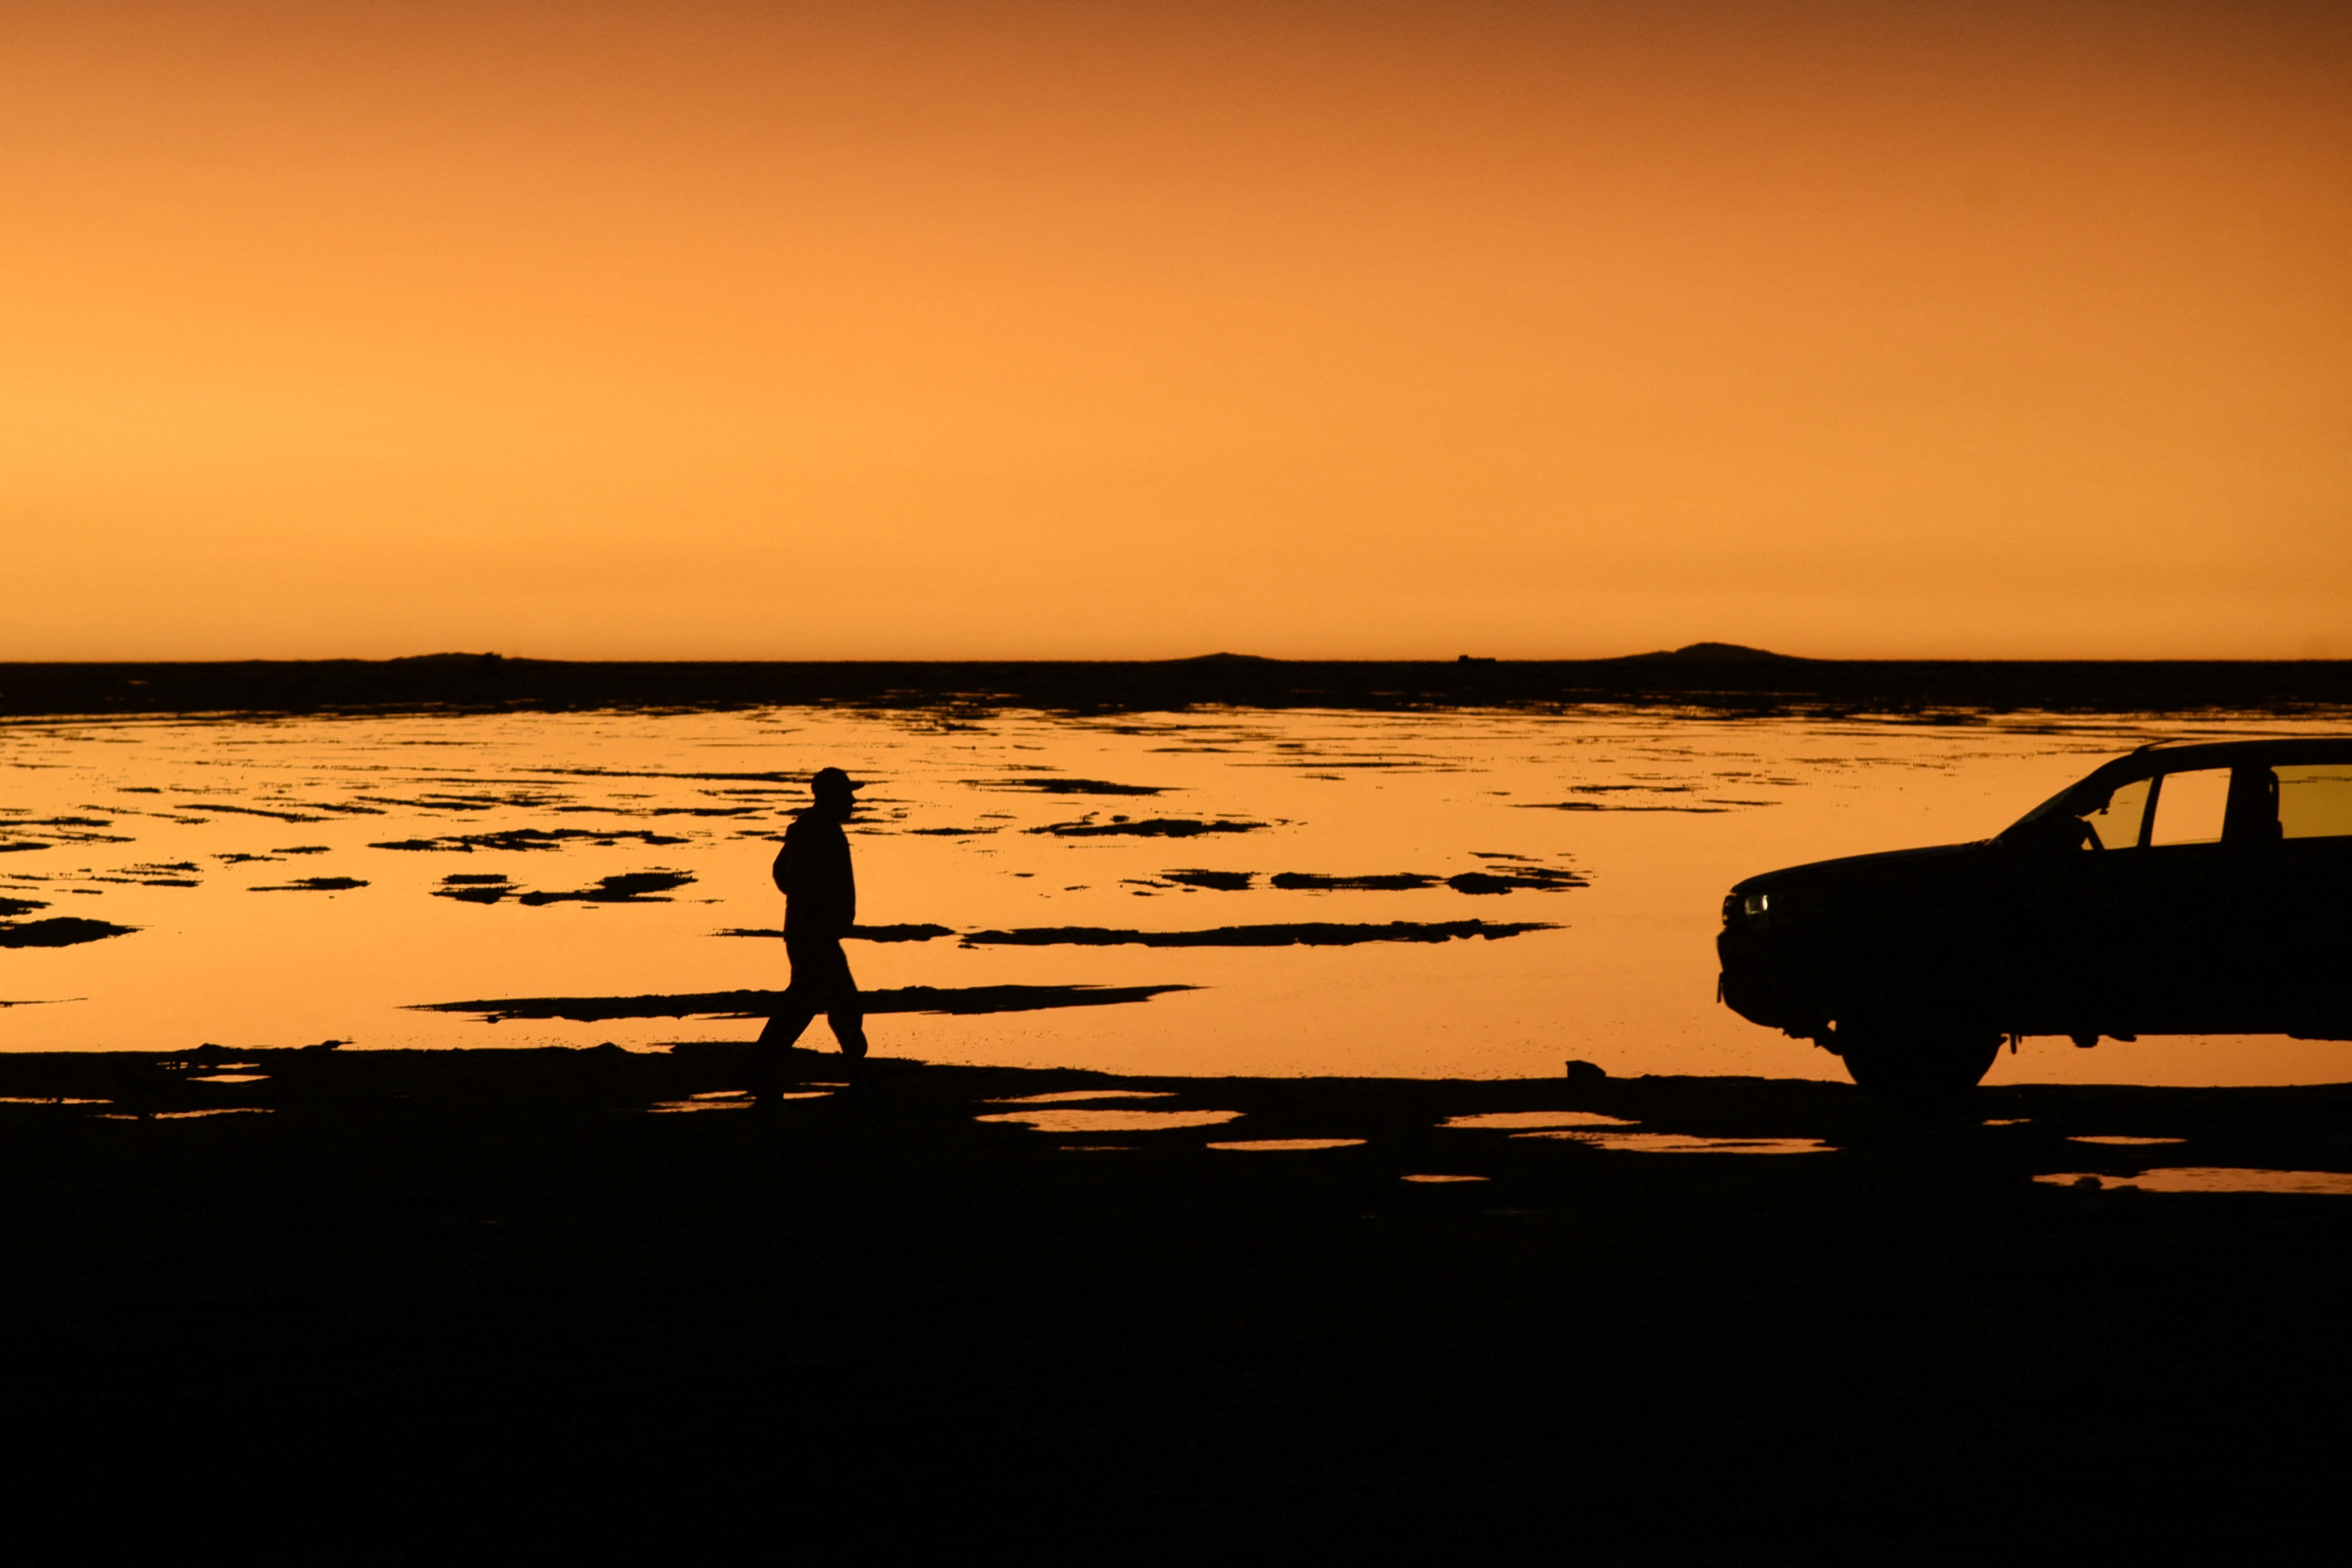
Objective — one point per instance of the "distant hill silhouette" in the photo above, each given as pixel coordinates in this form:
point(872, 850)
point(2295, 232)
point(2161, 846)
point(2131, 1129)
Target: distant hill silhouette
point(1689, 653)
point(1713, 653)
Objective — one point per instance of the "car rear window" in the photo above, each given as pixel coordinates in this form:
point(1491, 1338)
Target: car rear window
point(2314, 800)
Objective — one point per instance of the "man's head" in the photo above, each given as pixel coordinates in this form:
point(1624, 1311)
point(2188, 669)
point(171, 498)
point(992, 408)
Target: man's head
point(833, 791)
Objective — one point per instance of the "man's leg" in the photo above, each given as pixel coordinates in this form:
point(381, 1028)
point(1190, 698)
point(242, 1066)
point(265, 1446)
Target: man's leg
point(849, 1028)
point(842, 1007)
point(775, 1043)
point(784, 1026)
point(802, 1001)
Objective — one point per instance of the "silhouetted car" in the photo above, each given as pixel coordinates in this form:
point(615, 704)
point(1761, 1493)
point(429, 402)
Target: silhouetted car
point(2182, 890)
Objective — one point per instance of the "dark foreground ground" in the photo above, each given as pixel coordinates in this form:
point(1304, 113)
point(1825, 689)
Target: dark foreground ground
point(475, 1305)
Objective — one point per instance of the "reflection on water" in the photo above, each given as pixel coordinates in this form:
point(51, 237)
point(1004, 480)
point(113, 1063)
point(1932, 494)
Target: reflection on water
point(1277, 1145)
point(1458, 894)
point(2214, 1179)
point(1685, 1143)
point(1113, 1121)
point(730, 1100)
point(2119, 1138)
point(1065, 1096)
point(1430, 1178)
point(1512, 1120)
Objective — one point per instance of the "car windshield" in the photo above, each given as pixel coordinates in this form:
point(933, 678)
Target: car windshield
point(2115, 819)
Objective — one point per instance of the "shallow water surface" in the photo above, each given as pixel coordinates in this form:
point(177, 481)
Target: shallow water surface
point(1462, 894)
point(2215, 1179)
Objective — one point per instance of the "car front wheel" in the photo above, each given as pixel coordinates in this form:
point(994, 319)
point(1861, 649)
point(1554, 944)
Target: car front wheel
point(1914, 1059)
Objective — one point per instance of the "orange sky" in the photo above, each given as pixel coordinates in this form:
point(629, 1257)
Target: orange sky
point(690, 330)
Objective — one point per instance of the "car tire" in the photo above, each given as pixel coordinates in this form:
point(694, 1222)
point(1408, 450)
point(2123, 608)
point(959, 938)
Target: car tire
point(1915, 1059)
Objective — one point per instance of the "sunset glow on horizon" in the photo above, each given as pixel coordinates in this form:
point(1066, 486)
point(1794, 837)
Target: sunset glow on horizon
point(1003, 330)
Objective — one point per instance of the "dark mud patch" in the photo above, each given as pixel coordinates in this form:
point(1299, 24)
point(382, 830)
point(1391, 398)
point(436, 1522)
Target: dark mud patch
point(525, 838)
point(1222, 881)
point(57, 831)
point(169, 874)
point(1391, 882)
point(208, 805)
point(11, 908)
point(312, 885)
point(1611, 806)
point(64, 931)
point(1147, 827)
point(1304, 933)
point(951, 832)
point(1633, 789)
point(1513, 878)
point(1068, 786)
point(913, 932)
point(476, 888)
point(800, 779)
point(1501, 880)
point(959, 1000)
point(1538, 878)
point(455, 803)
point(623, 887)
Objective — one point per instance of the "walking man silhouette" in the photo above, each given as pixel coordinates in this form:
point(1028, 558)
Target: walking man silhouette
point(820, 891)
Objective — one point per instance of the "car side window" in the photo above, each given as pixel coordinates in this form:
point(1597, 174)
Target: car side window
point(2314, 800)
point(2117, 824)
point(2190, 807)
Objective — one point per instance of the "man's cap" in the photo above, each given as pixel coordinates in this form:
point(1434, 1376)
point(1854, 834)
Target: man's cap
point(831, 779)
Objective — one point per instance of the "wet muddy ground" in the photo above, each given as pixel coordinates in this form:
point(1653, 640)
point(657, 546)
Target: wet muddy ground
point(1217, 1192)
point(363, 1306)
point(1318, 892)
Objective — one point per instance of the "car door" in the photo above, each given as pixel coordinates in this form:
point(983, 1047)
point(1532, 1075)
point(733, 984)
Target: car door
point(2200, 902)
point(2214, 899)
point(2077, 963)
point(2312, 896)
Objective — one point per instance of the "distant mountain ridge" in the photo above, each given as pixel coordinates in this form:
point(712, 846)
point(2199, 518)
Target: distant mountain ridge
point(1689, 653)
point(1716, 676)
point(1714, 653)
